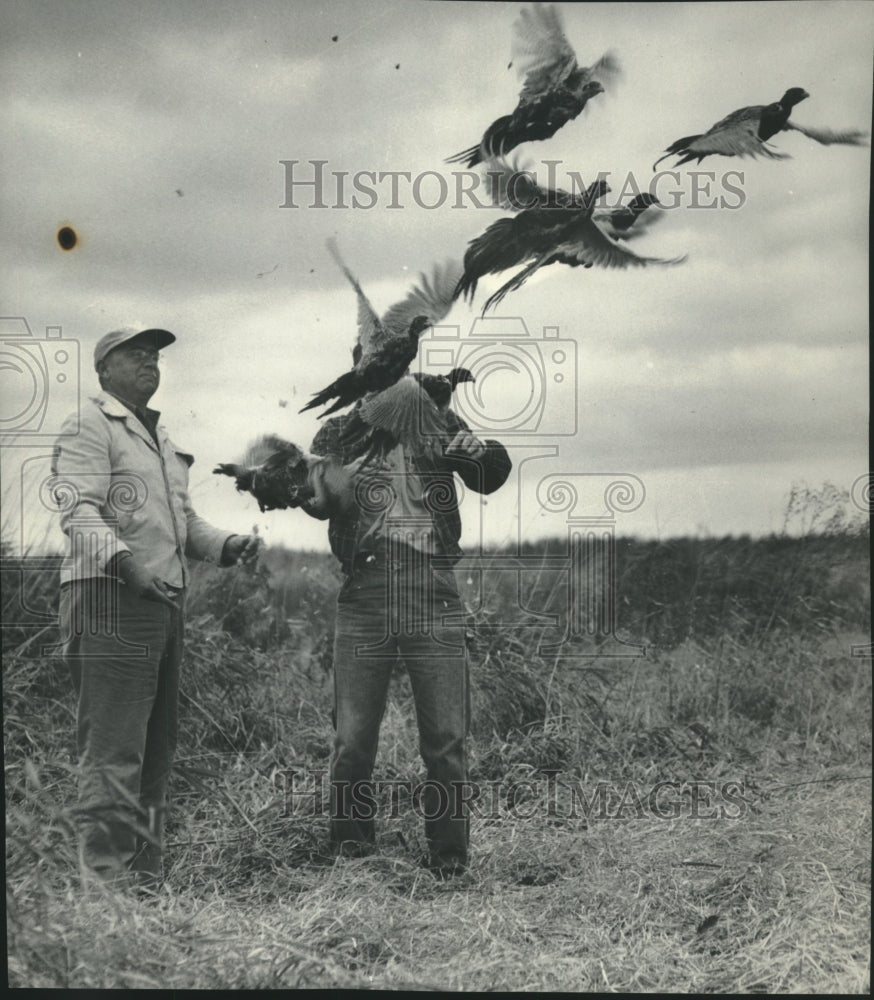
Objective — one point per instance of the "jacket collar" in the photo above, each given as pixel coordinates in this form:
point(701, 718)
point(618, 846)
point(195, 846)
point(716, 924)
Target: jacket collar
point(113, 407)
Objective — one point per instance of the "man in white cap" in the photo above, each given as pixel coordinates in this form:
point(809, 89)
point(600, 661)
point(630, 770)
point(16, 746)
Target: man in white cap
point(122, 486)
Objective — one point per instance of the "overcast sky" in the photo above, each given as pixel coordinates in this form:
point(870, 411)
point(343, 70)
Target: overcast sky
point(164, 132)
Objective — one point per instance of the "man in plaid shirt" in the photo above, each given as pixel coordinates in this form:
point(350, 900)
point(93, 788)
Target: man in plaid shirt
point(397, 545)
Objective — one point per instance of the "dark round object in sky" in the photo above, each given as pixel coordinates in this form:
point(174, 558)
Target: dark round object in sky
point(67, 237)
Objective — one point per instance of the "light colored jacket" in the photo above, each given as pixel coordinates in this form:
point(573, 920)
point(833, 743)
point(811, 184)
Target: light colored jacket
point(118, 491)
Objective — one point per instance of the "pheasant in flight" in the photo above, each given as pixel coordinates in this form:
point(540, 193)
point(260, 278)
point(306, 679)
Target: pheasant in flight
point(566, 234)
point(555, 91)
point(385, 348)
point(512, 187)
point(746, 132)
point(390, 404)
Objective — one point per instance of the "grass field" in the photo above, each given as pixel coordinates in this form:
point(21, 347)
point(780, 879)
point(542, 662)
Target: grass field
point(695, 819)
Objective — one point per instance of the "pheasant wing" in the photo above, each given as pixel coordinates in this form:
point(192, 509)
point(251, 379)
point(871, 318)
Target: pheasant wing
point(735, 135)
point(829, 137)
point(739, 117)
point(598, 249)
point(606, 70)
point(407, 412)
point(370, 331)
point(512, 187)
point(545, 58)
point(431, 297)
point(541, 52)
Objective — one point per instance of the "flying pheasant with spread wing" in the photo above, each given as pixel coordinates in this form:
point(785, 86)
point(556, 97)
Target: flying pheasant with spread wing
point(391, 405)
point(385, 348)
point(542, 236)
point(556, 87)
point(513, 187)
point(746, 132)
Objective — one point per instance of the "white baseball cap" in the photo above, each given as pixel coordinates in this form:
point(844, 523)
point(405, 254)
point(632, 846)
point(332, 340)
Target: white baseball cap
point(115, 338)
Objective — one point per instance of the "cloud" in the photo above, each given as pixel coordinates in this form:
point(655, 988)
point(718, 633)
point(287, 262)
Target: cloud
point(157, 130)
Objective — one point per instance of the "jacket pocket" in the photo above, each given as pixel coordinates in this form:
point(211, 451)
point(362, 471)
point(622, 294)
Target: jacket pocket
point(178, 462)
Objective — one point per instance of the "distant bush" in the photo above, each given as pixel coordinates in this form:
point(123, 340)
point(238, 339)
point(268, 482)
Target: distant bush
point(668, 592)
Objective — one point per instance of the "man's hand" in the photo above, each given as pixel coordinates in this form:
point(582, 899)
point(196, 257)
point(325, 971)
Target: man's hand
point(141, 583)
point(240, 548)
point(466, 445)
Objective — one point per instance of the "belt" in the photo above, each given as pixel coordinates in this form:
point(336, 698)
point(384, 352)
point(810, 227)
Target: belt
point(407, 557)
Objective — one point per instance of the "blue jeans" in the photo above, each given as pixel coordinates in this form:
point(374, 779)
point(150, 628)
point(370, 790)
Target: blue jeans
point(124, 654)
point(388, 611)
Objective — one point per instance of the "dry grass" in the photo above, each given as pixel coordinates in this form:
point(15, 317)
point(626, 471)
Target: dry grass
point(772, 897)
point(776, 901)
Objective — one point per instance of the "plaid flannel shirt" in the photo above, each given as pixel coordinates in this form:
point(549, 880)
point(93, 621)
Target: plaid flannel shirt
point(483, 475)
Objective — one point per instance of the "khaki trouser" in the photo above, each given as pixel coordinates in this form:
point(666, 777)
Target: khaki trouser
point(124, 654)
